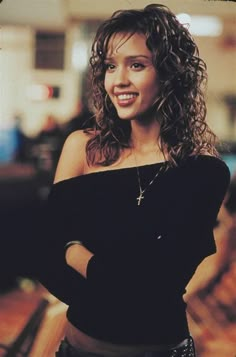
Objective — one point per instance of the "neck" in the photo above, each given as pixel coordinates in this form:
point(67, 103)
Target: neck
point(145, 137)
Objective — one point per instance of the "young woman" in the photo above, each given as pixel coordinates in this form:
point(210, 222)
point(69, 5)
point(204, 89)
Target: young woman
point(135, 199)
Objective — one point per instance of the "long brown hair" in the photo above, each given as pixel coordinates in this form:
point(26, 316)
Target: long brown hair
point(180, 105)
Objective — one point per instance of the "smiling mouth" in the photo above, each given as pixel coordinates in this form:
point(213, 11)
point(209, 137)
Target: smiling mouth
point(126, 99)
point(126, 96)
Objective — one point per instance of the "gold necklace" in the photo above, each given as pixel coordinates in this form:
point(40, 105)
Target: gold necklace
point(141, 190)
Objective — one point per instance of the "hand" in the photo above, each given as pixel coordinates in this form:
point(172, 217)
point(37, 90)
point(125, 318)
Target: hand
point(77, 257)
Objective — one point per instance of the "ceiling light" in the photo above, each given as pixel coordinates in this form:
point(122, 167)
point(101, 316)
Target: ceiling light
point(201, 25)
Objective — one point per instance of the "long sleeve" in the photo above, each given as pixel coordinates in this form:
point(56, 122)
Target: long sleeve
point(54, 226)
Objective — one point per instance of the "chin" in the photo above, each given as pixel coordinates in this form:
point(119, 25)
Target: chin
point(144, 116)
point(128, 116)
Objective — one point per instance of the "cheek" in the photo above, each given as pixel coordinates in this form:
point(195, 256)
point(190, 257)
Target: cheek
point(151, 89)
point(107, 84)
point(148, 83)
point(155, 87)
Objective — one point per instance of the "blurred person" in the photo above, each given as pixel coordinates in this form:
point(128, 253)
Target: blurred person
point(83, 118)
point(47, 146)
point(22, 140)
point(134, 202)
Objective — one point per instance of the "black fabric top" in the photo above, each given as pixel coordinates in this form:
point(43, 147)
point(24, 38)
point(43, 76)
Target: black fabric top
point(144, 256)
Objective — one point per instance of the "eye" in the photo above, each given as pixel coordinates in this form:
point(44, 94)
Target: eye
point(137, 66)
point(109, 67)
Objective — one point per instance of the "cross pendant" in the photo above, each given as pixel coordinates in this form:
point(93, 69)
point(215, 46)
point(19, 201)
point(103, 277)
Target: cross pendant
point(139, 198)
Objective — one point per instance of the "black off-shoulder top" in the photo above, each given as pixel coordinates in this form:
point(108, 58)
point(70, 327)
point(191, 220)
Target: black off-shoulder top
point(144, 256)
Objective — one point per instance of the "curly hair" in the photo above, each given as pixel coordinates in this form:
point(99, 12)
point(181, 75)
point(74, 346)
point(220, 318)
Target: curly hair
point(180, 105)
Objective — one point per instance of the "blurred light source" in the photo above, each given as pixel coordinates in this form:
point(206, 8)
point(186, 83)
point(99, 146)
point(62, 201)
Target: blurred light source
point(202, 25)
point(38, 92)
point(184, 19)
point(79, 55)
point(41, 92)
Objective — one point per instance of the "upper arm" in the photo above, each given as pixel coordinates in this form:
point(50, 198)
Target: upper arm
point(73, 157)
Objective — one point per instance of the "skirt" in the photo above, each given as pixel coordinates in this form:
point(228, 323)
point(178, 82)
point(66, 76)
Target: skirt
point(185, 350)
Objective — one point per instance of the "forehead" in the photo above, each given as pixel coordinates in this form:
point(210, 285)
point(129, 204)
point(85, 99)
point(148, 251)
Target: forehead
point(127, 43)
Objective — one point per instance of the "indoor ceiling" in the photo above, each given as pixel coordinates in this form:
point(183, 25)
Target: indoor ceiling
point(92, 8)
point(57, 13)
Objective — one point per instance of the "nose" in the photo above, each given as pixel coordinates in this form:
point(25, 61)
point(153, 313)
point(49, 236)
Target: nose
point(121, 77)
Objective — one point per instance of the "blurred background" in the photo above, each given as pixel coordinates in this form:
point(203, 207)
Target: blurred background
point(44, 56)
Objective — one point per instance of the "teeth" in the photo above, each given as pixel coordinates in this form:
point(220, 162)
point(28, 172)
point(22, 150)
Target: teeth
point(126, 96)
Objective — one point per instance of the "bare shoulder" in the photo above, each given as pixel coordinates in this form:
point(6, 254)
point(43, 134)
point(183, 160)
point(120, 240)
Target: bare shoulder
point(73, 156)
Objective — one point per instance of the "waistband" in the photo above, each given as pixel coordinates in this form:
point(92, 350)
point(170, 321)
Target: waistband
point(185, 348)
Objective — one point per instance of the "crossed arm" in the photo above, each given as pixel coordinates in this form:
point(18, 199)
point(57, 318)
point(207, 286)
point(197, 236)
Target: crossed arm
point(77, 257)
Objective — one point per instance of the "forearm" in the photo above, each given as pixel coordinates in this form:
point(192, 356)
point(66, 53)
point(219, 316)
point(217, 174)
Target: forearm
point(77, 257)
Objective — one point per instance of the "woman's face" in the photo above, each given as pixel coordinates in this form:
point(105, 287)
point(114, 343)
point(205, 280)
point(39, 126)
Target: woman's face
point(131, 80)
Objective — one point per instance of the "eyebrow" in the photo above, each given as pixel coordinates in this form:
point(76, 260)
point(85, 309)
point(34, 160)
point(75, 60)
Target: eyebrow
point(130, 57)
